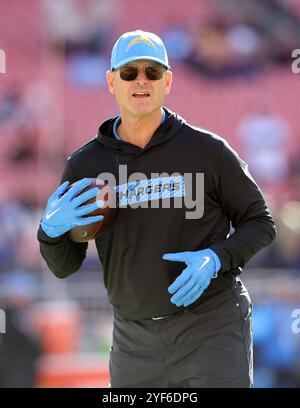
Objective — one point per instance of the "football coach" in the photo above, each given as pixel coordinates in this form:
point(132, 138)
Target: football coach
point(182, 316)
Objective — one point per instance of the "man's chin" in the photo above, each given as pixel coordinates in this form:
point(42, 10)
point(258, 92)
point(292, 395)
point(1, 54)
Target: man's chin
point(142, 110)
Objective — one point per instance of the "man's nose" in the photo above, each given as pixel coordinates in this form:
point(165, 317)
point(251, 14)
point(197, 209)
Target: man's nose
point(141, 76)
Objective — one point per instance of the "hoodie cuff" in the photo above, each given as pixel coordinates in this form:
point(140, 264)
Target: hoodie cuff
point(45, 239)
point(217, 263)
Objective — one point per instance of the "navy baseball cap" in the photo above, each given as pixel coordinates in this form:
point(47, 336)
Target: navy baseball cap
point(138, 45)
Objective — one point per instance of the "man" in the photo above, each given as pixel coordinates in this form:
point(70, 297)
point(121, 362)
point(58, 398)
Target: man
point(182, 317)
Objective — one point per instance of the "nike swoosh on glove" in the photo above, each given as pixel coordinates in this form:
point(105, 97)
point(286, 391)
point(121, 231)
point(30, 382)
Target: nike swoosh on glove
point(202, 266)
point(64, 209)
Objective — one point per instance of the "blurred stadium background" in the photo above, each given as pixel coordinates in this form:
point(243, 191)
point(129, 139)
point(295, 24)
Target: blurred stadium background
point(232, 66)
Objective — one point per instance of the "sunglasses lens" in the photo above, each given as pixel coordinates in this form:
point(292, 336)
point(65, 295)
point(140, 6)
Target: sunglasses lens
point(129, 74)
point(152, 73)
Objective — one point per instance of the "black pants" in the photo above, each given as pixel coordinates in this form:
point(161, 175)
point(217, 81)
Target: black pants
point(210, 346)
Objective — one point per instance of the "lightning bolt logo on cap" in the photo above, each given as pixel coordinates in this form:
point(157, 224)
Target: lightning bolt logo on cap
point(140, 39)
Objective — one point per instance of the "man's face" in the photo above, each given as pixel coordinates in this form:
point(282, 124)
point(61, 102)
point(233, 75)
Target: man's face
point(142, 95)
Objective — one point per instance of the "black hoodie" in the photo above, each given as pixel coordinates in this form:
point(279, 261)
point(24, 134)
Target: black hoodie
point(135, 275)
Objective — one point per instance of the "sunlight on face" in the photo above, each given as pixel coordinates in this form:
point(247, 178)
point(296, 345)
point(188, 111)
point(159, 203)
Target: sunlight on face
point(141, 96)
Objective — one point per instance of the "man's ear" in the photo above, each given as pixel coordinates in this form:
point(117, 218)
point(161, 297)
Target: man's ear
point(110, 77)
point(168, 81)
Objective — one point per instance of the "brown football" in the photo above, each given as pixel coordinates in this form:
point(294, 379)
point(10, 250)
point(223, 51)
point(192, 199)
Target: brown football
point(88, 232)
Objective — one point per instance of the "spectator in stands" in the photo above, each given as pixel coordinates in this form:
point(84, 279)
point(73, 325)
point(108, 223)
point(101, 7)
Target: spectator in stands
point(81, 31)
point(25, 149)
point(12, 219)
point(264, 136)
point(284, 253)
point(277, 348)
point(294, 176)
point(19, 348)
point(179, 41)
point(80, 26)
point(223, 49)
point(10, 104)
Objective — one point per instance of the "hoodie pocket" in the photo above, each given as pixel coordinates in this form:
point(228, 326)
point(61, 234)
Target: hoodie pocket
point(245, 307)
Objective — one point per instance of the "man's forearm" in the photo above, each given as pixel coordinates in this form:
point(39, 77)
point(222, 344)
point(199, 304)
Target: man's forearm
point(244, 243)
point(62, 256)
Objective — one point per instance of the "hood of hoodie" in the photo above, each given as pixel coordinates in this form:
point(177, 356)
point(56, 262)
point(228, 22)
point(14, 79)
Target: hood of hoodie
point(168, 129)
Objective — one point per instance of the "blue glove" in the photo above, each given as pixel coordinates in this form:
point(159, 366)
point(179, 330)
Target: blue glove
point(202, 266)
point(63, 212)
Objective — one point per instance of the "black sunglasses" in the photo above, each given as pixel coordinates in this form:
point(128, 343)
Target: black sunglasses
point(153, 73)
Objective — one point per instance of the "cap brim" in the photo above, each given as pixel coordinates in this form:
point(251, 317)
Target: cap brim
point(131, 59)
